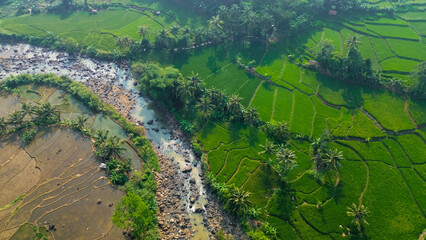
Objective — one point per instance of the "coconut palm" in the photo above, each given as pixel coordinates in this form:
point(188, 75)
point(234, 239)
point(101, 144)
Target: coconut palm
point(205, 106)
point(143, 30)
point(269, 149)
point(234, 104)
point(27, 109)
point(185, 90)
point(353, 42)
point(331, 160)
point(238, 200)
point(114, 147)
point(216, 22)
point(100, 136)
point(125, 166)
point(3, 126)
point(284, 161)
point(46, 114)
point(81, 120)
point(358, 213)
point(16, 119)
point(251, 116)
point(196, 82)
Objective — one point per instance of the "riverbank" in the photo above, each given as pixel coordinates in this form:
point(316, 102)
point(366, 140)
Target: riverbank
point(185, 209)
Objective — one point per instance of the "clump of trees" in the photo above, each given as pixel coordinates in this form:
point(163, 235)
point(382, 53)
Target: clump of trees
point(352, 67)
point(190, 97)
point(29, 120)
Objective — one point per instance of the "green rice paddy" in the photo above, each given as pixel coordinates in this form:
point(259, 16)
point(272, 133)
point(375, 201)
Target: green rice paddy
point(381, 134)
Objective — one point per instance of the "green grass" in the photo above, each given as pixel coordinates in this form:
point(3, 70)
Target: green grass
point(417, 186)
point(272, 65)
point(394, 215)
point(393, 31)
point(398, 65)
point(408, 49)
point(216, 160)
point(364, 127)
point(371, 151)
point(381, 49)
point(303, 114)
point(334, 37)
point(283, 105)
point(284, 230)
point(235, 156)
point(213, 134)
point(335, 92)
point(310, 78)
point(420, 27)
point(397, 153)
point(261, 183)
point(263, 100)
point(414, 147)
point(417, 109)
point(388, 109)
point(84, 27)
point(413, 15)
point(388, 21)
point(246, 168)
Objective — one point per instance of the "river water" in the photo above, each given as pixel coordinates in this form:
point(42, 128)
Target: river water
point(23, 58)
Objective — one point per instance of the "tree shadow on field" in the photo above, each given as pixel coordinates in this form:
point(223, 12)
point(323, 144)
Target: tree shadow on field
point(65, 15)
point(212, 64)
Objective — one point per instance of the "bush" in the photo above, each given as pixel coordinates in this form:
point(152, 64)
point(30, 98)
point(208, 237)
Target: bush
point(29, 136)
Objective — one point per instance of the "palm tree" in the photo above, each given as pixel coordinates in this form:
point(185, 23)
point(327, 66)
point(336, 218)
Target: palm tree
point(284, 161)
point(185, 91)
point(251, 116)
point(143, 30)
point(196, 82)
point(100, 137)
point(27, 109)
point(358, 213)
point(205, 106)
point(81, 120)
point(216, 22)
point(238, 200)
point(269, 149)
point(16, 119)
point(114, 147)
point(3, 128)
point(125, 166)
point(234, 104)
point(353, 42)
point(332, 159)
point(48, 113)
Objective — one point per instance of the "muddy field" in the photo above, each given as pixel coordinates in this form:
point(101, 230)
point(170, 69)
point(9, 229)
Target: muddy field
point(55, 182)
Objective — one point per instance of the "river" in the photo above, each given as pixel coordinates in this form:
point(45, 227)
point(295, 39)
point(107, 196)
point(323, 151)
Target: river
point(23, 58)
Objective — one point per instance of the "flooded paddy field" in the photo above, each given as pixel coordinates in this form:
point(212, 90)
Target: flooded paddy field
point(55, 183)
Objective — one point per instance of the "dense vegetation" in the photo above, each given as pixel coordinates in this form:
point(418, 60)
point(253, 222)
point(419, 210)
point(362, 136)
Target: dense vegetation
point(309, 137)
point(140, 188)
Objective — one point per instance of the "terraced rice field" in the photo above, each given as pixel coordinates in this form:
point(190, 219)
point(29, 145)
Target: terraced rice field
point(91, 30)
point(365, 123)
point(55, 180)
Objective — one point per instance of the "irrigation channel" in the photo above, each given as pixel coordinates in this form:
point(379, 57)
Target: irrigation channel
point(184, 200)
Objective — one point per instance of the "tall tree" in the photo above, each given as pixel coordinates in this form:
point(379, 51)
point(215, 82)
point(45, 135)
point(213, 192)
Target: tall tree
point(3, 126)
point(358, 213)
point(133, 214)
point(238, 200)
point(185, 90)
point(353, 42)
point(205, 106)
point(269, 149)
point(143, 30)
point(234, 105)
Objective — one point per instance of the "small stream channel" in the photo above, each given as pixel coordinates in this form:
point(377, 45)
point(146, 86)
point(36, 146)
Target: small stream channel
point(23, 58)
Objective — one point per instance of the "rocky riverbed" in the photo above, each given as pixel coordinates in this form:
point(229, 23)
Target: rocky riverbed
point(186, 209)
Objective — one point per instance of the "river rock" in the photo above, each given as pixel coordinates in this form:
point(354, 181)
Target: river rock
point(187, 169)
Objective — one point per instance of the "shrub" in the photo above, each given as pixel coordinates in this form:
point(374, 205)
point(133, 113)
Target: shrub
point(29, 136)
